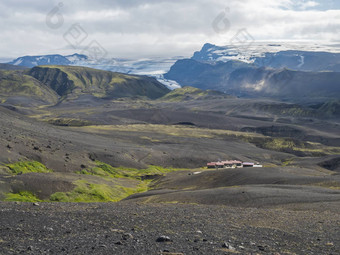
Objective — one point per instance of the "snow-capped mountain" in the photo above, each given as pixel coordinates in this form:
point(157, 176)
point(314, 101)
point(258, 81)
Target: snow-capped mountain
point(31, 61)
point(270, 70)
point(296, 56)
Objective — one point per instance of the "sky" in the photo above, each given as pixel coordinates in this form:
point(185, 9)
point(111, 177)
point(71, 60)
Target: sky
point(158, 28)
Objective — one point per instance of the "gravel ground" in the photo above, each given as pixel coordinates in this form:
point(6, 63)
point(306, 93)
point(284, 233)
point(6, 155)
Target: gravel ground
point(132, 228)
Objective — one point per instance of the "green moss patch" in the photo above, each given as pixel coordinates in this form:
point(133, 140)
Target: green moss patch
point(105, 183)
point(22, 196)
point(105, 170)
point(67, 122)
point(191, 93)
point(28, 167)
point(112, 189)
point(90, 192)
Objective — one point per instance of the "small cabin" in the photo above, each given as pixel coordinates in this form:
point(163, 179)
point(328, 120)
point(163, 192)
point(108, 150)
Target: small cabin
point(237, 163)
point(219, 165)
point(232, 164)
point(211, 165)
point(228, 164)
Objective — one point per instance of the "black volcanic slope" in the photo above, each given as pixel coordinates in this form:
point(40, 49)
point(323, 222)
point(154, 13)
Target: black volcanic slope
point(263, 187)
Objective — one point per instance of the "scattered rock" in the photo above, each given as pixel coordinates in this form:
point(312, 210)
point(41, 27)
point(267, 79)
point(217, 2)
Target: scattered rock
point(228, 246)
point(117, 230)
point(36, 204)
point(48, 228)
point(127, 236)
point(261, 248)
point(162, 239)
point(119, 243)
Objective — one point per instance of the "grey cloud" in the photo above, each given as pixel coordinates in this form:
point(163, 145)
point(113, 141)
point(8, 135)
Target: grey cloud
point(149, 27)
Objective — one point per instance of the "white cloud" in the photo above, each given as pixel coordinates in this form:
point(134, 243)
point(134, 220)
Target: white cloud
point(143, 28)
point(308, 4)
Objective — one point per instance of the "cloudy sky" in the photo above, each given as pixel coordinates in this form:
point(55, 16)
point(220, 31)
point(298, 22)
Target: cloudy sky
point(149, 28)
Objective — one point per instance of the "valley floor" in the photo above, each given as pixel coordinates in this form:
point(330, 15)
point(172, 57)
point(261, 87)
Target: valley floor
point(95, 150)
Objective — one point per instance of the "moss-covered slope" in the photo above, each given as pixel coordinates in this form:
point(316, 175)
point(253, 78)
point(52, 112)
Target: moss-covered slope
point(74, 80)
point(16, 83)
point(191, 93)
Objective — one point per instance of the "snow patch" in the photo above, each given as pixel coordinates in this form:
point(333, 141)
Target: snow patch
point(302, 61)
point(18, 62)
point(169, 83)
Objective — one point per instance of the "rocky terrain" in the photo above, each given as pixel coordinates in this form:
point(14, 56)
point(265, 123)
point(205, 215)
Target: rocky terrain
point(132, 228)
point(75, 134)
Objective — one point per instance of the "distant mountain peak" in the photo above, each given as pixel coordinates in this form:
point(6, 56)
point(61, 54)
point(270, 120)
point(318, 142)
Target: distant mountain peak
point(53, 59)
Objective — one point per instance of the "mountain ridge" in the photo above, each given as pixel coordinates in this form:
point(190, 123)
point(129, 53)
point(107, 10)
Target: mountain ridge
point(247, 80)
point(53, 59)
point(74, 80)
point(50, 84)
